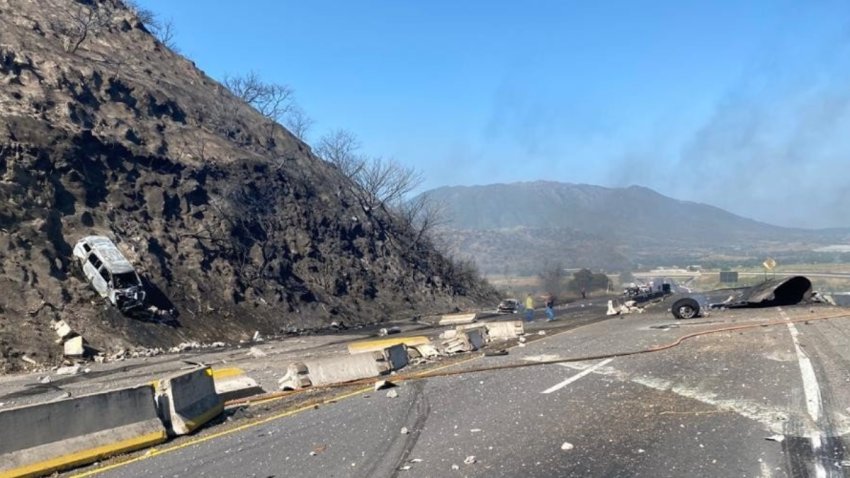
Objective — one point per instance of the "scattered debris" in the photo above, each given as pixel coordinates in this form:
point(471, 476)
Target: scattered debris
point(405, 431)
point(627, 307)
point(256, 353)
point(257, 337)
point(455, 319)
point(63, 330)
point(455, 467)
point(566, 446)
point(72, 370)
point(469, 460)
point(776, 438)
point(45, 379)
point(495, 353)
point(425, 350)
point(28, 360)
point(383, 384)
point(448, 334)
point(542, 332)
point(389, 331)
point(505, 330)
point(475, 430)
point(392, 394)
point(74, 347)
point(415, 460)
point(296, 377)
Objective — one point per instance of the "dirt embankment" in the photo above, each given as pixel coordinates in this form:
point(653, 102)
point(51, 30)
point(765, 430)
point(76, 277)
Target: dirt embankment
point(231, 220)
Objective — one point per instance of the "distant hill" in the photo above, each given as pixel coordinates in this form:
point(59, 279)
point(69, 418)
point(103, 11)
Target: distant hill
point(530, 223)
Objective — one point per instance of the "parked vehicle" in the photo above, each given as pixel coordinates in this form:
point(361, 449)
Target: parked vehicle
point(109, 272)
point(508, 306)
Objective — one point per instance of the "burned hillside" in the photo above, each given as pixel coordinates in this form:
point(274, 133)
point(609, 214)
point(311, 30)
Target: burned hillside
point(233, 224)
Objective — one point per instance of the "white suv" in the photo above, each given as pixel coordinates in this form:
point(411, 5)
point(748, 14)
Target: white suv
point(109, 272)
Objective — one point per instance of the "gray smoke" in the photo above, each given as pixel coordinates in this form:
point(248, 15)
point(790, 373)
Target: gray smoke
point(776, 148)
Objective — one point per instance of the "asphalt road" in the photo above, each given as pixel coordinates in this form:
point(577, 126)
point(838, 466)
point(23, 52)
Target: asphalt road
point(763, 401)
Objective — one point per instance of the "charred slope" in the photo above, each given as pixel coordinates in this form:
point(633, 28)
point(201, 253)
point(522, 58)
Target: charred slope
point(234, 224)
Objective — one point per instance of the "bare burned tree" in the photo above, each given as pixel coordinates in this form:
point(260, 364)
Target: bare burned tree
point(163, 30)
point(298, 123)
point(422, 214)
point(342, 149)
point(272, 100)
point(78, 22)
point(388, 181)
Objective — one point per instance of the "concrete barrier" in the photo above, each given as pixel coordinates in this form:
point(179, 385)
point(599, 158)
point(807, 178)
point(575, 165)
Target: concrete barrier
point(455, 319)
point(231, 383)
point(336, 369)
point(505, 330)
point(40, 439)
point(381, 344)
point(188, 400)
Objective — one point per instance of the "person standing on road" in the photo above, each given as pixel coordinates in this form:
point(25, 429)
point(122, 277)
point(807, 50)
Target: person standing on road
point(529, 308)
point(550, 311)
point(583, 293)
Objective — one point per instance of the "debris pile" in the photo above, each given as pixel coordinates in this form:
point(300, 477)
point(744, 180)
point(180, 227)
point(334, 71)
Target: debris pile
point(627, 307)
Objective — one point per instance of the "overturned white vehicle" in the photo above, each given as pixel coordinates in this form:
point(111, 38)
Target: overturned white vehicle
point(109, 272)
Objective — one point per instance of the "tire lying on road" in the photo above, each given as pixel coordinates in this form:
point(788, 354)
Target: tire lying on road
point(685, 308)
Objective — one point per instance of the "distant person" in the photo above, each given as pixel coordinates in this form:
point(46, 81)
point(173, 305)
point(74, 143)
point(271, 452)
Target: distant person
point(529, 308)
point(583, 293)
point(550, 309)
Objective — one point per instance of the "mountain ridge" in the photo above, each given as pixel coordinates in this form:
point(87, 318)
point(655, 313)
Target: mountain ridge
point(628, 225)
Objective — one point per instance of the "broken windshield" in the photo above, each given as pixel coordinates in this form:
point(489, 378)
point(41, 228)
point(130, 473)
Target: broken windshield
point(125, 280)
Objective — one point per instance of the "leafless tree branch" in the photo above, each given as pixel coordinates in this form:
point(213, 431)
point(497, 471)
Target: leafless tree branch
point(341, 148)
point(272, 100)
point(298, 123)
point(78, 22)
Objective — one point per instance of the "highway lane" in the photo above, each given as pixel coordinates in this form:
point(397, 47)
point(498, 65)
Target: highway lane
point(704, 408)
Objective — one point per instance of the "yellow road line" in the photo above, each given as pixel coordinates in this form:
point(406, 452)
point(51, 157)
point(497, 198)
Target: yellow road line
point(154, 452)
point(85, 456)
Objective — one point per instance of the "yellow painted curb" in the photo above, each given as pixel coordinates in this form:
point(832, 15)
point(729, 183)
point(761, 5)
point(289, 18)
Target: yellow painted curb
point(380, 344)
point(85, 456)
point(196, 422)
point(227, 372)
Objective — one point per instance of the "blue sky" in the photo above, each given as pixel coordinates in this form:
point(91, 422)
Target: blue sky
point(743, 105)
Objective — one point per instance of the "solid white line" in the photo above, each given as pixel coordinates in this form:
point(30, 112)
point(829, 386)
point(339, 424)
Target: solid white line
point(577, 376)
point(812, 391)
point(810, 381)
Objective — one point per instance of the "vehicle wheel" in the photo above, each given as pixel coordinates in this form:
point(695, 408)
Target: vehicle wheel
point(686, 308)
